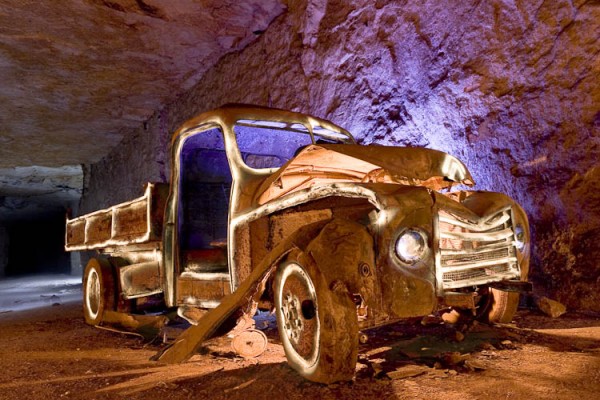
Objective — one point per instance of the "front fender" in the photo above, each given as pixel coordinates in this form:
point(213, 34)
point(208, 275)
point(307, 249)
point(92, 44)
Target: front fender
point(344, 253)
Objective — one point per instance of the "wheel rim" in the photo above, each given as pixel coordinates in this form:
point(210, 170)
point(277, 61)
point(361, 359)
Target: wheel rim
point(92, 293)
point(297, 315)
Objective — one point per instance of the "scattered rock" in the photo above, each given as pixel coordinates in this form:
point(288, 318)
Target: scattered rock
point(407, 371)
point(459, 336)
point(550, 307)
point(378, 350)
point(438, 373)
point(487, 346)
point(473, 365)
point(376, 365)
point(451, 317)
point(454, 358)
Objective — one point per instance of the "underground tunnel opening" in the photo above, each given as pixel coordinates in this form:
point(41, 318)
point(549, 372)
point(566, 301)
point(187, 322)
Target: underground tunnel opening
point(36, 271)
point(36, 247)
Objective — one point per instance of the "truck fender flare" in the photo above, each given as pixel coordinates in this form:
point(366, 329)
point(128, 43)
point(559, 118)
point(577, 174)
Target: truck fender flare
point(344, 253)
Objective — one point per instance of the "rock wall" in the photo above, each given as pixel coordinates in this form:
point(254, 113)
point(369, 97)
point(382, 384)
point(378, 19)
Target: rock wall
point(510, 87)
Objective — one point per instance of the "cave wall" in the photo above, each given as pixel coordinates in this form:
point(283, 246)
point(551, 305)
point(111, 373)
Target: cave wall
point(510, 87)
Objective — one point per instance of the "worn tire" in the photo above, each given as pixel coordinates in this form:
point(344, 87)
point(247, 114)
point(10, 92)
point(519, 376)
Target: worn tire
point(98, 290)
point(503, 306)
point(318, 327)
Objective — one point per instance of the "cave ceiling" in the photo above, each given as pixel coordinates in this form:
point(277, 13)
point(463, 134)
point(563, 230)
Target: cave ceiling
point(77, 74)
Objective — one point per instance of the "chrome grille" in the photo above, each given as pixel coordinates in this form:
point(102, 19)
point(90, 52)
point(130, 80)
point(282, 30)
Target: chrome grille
point(472, 253)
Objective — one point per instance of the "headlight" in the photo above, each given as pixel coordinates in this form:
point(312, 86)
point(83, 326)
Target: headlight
point(411, 245)
point(519, 237)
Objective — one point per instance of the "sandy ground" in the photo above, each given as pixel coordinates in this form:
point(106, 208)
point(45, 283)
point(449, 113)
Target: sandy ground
point(49, 353)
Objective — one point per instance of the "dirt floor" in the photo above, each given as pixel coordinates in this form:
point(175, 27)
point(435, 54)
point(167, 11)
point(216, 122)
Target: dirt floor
point(50, 353)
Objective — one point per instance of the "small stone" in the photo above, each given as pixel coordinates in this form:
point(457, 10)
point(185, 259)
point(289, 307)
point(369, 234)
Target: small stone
point(474, 365)
point(452, 372)
point(407, 371)
point(378, 350)
point(451, 317)
point(437, 373)
point(550, 307)
point(377, 368)
point(453, 358)
point(487, 346)
point(459, 336)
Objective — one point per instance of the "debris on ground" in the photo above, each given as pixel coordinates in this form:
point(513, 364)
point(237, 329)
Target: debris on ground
point(52, 353)
point(408, 371)
point(148, 326)
point(551, 308)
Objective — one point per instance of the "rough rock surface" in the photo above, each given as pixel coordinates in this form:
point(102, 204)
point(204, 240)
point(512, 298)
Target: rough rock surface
point(31, 192)
point(510, 87)
point(76, 75)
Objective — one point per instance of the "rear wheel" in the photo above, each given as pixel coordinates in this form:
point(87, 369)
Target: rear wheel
point(98, 290)
point(318, 327)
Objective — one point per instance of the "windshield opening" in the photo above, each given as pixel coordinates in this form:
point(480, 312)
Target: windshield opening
point(270, 144)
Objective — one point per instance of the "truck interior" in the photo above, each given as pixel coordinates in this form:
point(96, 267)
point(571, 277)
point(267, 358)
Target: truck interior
point(205, 184)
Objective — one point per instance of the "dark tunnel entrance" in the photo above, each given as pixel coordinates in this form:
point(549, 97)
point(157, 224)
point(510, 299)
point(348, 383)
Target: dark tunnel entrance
point(36, 246)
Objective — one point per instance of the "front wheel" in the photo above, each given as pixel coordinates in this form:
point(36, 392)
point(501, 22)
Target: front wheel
point(98, 290)
point(318, 327)
point(503, 306)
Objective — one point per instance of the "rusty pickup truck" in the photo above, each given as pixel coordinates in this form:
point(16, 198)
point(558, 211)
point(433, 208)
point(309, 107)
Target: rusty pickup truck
point(290, 214)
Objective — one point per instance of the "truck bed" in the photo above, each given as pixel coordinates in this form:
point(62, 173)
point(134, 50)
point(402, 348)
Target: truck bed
point(133, 222)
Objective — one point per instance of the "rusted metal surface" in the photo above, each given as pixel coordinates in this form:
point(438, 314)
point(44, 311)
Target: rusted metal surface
point(283, 210)
point(250, 343)
point(325, 164)
point(142, 279)
point(136, 221)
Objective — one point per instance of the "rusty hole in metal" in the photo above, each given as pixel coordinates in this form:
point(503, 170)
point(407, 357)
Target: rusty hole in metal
point(308, 309)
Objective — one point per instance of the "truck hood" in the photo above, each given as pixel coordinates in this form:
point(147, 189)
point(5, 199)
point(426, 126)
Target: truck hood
point(331, 163)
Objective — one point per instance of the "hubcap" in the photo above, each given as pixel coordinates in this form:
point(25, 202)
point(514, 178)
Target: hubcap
point(292, 317)
point(298, 319)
